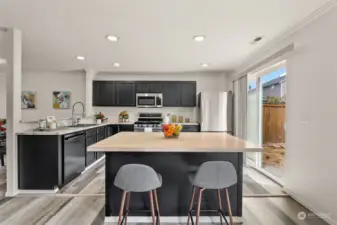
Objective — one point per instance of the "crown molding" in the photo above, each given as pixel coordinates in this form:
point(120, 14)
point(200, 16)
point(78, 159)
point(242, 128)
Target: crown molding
point(302, 24)
point(309, 19)
point(246, 65)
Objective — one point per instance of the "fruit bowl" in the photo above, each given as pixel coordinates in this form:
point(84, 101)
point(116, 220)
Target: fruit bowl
point(172, 130)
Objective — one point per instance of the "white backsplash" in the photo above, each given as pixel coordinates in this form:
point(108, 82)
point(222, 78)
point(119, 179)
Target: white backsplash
point(113, 112)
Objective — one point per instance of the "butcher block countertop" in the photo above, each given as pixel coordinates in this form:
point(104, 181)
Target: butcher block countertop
point(187, 142)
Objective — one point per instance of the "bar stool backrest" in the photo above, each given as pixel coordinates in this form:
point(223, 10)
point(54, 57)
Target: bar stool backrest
point(216, 175)
point(137, 178)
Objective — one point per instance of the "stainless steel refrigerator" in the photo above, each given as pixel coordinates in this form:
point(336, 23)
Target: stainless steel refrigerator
point(215, 110)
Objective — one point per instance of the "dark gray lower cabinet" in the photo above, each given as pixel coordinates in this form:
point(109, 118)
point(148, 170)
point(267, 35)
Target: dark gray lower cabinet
point(126, 127)
point(101, 134)
point(91, 139)
point(191, 128)
point(49, 161)
point(40, 162)
point(114, 129)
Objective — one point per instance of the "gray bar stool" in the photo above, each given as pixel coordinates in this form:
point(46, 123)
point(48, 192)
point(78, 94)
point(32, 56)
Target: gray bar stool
point(217, 175)
point(137, 178)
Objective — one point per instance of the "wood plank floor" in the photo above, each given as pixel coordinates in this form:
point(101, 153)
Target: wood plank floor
point(81, 202)
point(2, 181)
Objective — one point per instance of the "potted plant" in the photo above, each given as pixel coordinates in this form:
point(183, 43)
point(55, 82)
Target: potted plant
point(99, 117)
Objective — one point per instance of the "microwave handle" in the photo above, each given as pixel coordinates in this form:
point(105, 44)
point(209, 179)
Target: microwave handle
point(160, 100)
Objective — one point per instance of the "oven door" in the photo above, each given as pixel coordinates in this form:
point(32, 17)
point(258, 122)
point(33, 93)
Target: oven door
point(146, 101)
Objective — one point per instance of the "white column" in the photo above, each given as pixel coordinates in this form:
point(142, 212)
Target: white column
point(89, 77)
point(11, 51)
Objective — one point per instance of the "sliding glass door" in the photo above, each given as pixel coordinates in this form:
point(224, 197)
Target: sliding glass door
point(266, 104)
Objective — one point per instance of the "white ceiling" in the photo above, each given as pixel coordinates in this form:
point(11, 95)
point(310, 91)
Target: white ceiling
point(155, 35)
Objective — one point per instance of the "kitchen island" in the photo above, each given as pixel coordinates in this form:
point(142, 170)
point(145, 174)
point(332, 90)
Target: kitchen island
point(177, 160)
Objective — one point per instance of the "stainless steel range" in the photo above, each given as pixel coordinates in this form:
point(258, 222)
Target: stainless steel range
point(148, 122)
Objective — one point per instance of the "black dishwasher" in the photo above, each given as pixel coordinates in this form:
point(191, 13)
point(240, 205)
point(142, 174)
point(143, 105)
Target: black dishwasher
point(73, 156)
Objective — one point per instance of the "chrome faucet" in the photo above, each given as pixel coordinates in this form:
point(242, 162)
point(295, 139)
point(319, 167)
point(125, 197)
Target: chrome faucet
point(73, 113)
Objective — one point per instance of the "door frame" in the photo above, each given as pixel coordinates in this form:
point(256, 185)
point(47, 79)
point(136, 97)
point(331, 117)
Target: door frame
point(259, 155)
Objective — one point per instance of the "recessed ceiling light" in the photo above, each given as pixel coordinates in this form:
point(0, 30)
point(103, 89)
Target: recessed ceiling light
point(112, 38)
point(199, 38)
point(116, 64)
point(80, 57)
point(205, 65)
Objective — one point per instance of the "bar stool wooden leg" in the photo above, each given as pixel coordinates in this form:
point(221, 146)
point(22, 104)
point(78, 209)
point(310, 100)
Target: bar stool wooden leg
point(152, 208)
point(157, 205)
point(220, 205)
point(229, 207)
point(199, 204)
point(128, 196)
point(122, 208)
point(191, 205)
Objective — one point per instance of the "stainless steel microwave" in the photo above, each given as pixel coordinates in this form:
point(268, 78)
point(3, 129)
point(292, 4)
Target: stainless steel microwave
point(150, 100)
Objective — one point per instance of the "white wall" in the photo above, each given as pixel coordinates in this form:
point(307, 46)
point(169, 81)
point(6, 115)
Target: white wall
point(44, 83)
point(205, 82)
point(2, 79)
point(311, 161)
point(2, 95)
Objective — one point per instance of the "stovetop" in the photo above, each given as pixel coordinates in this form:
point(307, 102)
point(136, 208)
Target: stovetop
point(153, 124)
point(153, 120)
point(148, 122)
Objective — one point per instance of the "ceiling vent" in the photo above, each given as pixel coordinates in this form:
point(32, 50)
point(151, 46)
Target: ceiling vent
point(256, 40)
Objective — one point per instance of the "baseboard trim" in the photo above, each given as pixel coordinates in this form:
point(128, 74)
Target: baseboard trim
point(264, 172)
point(93, 164)
point(265, 196)
point(171, 219)
point(11, 194)
point(311, 208)
point(40, 192)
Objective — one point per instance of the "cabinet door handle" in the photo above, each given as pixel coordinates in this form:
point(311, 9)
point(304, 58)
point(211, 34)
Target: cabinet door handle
point(73, 136)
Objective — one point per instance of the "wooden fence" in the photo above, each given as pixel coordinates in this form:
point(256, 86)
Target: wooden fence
point(274, 117)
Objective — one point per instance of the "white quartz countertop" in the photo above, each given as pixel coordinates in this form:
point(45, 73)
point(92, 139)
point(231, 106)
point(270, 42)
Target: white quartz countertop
point(192, 124)
point(187, 142)
point(68, 130)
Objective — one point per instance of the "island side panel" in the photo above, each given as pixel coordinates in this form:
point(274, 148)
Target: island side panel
point(177, 170)
point(39, 162)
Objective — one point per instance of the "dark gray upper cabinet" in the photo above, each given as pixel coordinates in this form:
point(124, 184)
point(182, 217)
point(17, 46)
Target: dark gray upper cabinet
point(142, 87)
point(125, 93)
point(171, 94)
point(188, 94)
point(149, 87)
point(103, 93)
point(156, 87)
